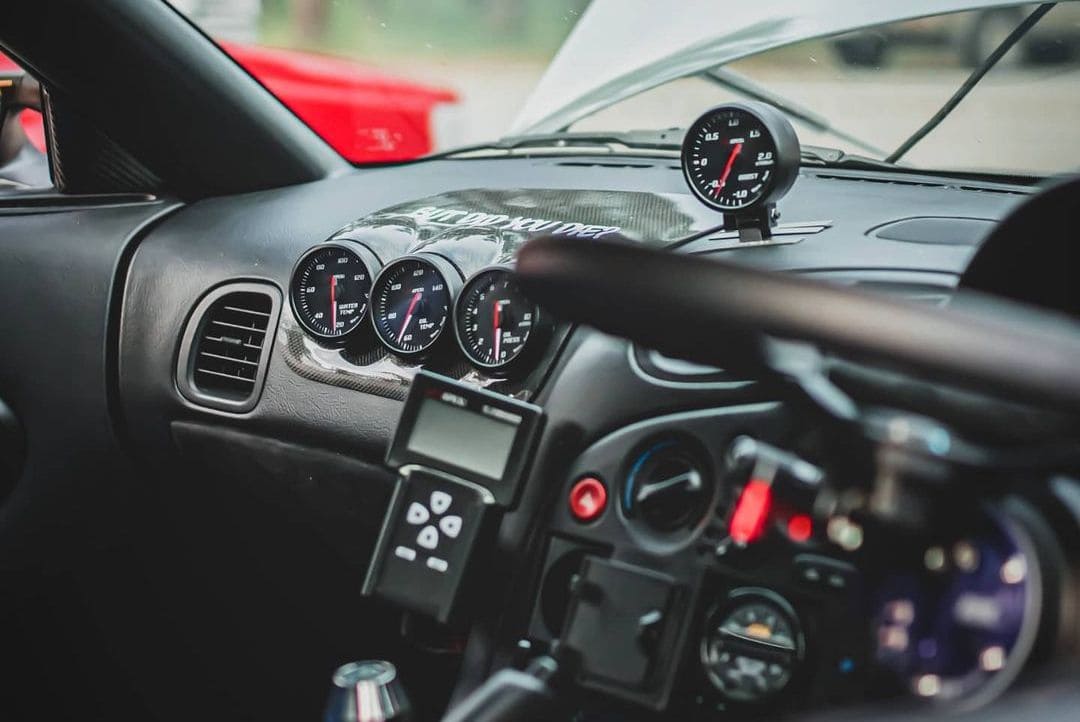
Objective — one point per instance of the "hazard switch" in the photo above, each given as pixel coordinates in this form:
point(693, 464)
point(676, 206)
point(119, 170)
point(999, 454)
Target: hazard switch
point(588, 497)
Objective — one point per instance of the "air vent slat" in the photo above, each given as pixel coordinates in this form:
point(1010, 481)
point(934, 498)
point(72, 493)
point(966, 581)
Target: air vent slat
point(229, 358)
point(243, 379)
point(227, 354)
point(234, 325)
point(248, 311)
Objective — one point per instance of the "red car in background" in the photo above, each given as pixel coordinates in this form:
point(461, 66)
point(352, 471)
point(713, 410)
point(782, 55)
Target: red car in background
point(365, 115)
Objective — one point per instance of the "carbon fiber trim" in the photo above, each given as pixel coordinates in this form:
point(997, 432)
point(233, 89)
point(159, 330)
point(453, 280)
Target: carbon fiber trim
point(474, 229)
point(372, 372)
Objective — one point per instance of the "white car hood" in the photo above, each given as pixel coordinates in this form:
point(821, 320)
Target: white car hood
point(620, 48)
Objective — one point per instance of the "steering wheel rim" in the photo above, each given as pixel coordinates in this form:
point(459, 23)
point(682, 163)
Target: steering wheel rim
point(713, 311)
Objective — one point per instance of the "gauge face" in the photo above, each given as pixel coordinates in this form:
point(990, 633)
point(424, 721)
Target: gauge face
point(493, 319)
point(330, 291)
point(411, 304)
point(962, 625)
point(751, 649)
point(730, 158)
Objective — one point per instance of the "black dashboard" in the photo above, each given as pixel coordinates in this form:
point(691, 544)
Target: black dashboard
point(911, 235)
point(615, 415)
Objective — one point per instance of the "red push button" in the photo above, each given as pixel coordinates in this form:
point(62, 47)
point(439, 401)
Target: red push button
point(588, 497)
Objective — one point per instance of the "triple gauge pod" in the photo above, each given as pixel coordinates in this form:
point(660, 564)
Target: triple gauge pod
point(337, 286)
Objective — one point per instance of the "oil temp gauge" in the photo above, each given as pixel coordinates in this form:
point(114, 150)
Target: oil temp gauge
point(412, 298)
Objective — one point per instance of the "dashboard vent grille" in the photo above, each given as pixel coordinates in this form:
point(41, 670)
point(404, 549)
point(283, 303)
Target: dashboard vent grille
point(227, 347)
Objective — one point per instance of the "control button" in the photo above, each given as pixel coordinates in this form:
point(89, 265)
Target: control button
point(437, 564)
point(405, 553)
point(428, 537)
point(588, 498)
point(450, 525)
point(417, 514)
point(440, 502)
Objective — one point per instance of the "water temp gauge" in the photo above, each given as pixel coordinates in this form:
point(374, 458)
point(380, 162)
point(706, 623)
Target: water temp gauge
point(330, 289)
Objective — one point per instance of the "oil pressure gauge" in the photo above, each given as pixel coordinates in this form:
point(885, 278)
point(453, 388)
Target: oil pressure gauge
point(497, 327)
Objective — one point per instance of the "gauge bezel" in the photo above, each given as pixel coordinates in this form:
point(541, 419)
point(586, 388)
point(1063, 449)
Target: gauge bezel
point(452, 278)
point(723, 609)
point(787, 154)
point(370, 262)
point(534, 344)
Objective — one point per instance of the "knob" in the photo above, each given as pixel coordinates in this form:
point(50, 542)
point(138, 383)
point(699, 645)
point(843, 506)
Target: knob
point(367, 691)
point(666, 487)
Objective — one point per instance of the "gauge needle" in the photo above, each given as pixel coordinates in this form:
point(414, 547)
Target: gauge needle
point(727, 167)
point(498, 339)
point(408, 314)
point(333, 302)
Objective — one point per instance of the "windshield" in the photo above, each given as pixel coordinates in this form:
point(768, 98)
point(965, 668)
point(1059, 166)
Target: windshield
point(385, 81)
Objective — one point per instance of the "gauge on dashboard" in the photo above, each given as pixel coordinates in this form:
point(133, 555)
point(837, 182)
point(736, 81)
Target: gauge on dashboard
point(330, 289)
point(497, 327)
point(739, 156)
point(411, 300)
point(958, 627)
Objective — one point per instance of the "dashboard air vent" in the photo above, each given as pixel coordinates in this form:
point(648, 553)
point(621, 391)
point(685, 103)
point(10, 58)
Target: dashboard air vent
point(227, 346)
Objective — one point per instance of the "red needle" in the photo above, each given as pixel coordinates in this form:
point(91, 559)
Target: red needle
point(727, 168)
point(333, 302)
point(498, 339)
point(408, 314)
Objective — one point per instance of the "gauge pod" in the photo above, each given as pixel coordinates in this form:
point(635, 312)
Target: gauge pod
point(498, 328)
point(330, 289)
point(740, 156)
point(411, 302)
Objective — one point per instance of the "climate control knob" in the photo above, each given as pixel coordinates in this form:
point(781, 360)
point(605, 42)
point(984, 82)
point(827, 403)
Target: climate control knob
point(667, 487)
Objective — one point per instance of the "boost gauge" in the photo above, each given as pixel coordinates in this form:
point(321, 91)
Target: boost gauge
point(411, 300)
point(331, 287)
point(740, 156)
point(496, 325)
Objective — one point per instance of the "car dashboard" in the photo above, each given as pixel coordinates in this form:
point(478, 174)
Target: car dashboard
point(637, 536)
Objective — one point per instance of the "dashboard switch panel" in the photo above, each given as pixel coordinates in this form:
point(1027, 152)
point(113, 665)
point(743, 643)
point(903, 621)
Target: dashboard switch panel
point(428, 541)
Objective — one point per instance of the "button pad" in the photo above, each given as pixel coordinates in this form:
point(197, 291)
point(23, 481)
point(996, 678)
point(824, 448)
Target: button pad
point(427, 542)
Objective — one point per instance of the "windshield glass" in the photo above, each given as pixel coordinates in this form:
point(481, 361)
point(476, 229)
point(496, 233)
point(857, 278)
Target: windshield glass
point(383, 80)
